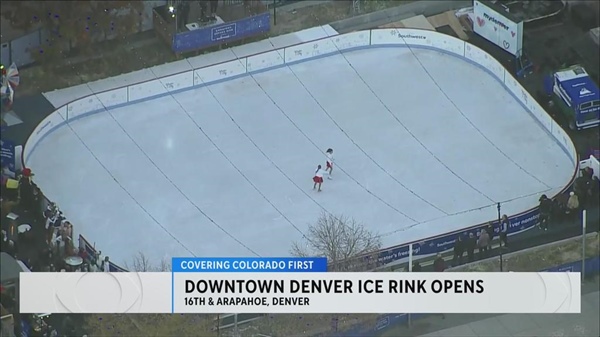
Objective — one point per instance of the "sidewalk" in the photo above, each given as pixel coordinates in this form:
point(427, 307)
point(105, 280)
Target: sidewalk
point(515, 325)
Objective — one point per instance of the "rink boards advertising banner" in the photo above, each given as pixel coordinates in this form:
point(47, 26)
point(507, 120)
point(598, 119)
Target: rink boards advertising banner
point(426, 247)
point(7, 154)
point(222, 33)
point(295, 285)
point(442, 243)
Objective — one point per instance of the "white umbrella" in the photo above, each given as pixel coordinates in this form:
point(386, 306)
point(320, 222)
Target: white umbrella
point(73, 261)
point(23, 228)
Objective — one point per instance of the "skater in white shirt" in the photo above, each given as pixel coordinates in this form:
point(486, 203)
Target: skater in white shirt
point(318, 178)
point(329, 167)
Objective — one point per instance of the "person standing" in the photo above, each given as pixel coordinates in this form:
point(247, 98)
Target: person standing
point(573, 206)
point(214, 5)
point(439, 265)
point(318, 178)
point(471, 244)
point(490, 230)
point(26, 187)
point(105, 266)
point(545, 211)
point(203, 9)
point(329, 164)
point(483, 243)
point(504, 226)
point(459, 250)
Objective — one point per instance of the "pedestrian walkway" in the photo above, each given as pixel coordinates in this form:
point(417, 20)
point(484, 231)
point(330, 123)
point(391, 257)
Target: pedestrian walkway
point(519, 325)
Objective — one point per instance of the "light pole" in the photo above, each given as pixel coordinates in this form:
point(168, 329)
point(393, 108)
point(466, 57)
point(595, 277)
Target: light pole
point(173, 12)
point(274, 12)
point(499, 233)
point(583, 226)
point(236, 330)
point(218, 325)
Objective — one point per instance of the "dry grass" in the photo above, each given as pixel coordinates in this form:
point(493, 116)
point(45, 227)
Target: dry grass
point(112, 63)
point(292, 21)
point(113, 59)
point(306, 325)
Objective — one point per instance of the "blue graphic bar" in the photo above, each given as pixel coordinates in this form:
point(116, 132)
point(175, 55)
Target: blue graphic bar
point(249, 265)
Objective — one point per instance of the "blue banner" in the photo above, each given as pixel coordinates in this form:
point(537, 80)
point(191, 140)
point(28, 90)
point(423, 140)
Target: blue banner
point(7, 154)
point(249, 265)
point(518, 223)
point(223, 33)
point(439, 244)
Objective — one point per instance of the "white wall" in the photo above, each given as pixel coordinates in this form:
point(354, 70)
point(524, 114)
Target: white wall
point(144, 84)
point(224, 64)
point(593, 163)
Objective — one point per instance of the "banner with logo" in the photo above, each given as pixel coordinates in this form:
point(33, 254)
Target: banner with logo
point(518, 223)
point(498, 26)
point(7, 154)
point(222, 33)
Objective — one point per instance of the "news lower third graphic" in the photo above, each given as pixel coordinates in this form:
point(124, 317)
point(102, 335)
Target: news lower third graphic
point(249, 265)
point(295, 285)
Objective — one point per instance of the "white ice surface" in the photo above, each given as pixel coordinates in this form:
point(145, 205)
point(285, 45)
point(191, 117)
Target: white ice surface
point(226, 170)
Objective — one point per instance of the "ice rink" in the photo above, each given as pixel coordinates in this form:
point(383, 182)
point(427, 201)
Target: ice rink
point(425, 143)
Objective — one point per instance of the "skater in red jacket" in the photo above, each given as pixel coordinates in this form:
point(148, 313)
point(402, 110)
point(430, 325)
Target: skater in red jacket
point(318, 178)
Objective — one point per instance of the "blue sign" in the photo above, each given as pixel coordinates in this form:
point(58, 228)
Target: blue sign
point(518, 223)
point(7, 154)
point(439, 244)
point(249, 265)
point(223, 33)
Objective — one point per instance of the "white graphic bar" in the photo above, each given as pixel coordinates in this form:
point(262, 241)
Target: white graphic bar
point(300, 292)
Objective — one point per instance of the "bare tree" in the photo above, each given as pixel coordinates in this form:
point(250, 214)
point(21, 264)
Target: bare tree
point(141, 263)
point(343, 240)
point(164, 265)
point(74, 24)
point(347, 244)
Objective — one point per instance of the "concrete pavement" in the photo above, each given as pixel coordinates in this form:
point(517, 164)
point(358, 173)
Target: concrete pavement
point(585, 324)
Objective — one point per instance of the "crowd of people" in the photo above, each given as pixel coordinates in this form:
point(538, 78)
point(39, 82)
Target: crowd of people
point(37, 236)
point(585, 193)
